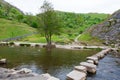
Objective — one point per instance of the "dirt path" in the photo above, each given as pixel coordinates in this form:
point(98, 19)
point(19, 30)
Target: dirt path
point(76, 39)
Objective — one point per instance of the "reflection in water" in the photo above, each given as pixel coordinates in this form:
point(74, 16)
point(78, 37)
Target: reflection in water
point(58, 62)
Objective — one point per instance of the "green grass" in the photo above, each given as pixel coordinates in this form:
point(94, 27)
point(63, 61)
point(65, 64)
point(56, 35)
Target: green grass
point(88, 39)
point(37, 38)
point(10, 29)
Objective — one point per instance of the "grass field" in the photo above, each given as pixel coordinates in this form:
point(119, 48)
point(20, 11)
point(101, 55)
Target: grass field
point(10, 29)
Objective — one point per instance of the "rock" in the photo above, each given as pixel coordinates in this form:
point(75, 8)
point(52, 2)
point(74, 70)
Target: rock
point(12, 74)
point(46, 76)
point(53, 78)
point(17, 44)
point(4, 70)
point(81, 69)
point(93, 58)
point(112, 31)
point(39, 77)
point(103, 53)
point(3, 61)
point(118, 20)
point(91, 68)
point(100, 55)
point(76, 75)
point(34, 74)
point(90, 61)
point(22, 71)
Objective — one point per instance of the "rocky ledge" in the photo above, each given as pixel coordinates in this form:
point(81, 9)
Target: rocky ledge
point(23, 74)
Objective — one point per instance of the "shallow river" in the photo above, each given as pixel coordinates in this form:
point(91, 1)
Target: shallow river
point(58, 62)
point(108, 69)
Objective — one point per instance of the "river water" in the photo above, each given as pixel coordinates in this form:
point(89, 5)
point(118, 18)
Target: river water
point(58, 62)
point(108, 69)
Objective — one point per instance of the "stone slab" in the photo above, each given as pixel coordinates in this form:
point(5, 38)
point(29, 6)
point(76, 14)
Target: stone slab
point(81, 68)
point(76, 75)
point(91, 68)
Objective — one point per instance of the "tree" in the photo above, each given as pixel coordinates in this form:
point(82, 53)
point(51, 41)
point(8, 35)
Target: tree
point(49, 22)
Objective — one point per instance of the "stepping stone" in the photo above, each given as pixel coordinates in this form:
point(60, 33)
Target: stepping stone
point(95, 59)
point(76, 75)
point(91, 68)
point(90, 61)
point(81, 69)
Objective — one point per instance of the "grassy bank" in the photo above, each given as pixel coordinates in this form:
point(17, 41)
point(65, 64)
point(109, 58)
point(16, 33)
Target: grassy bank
point(86, 38)
point(9, 29)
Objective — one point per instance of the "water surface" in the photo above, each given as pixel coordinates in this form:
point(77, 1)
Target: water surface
point(58, 63)
point(108, 69)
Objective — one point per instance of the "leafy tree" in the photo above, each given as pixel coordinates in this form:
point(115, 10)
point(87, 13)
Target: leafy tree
point(20, 17)
point(49, 22)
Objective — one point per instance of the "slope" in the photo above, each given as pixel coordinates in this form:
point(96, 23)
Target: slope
point(109, 30)
point(10, 29)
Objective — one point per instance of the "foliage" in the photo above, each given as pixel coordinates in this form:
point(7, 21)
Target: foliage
point(49, 22)
point(72, 25)
point(8, 11)
point(80, 22)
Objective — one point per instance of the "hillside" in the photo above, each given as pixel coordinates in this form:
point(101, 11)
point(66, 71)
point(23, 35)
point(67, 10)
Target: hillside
point(109, 30)
point(9, 29)
point(75, 23)
point(14, 23)
point(8, 11)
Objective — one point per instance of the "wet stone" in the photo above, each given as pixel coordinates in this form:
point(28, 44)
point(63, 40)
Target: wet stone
point(81, 68)
point(91, 68)
point(76, 75)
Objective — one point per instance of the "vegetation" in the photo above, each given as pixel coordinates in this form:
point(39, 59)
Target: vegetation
point(9, 29)
point(87, 39)
point(49, 23)
point(72, 24)
point(10, 12)
point(80, 22)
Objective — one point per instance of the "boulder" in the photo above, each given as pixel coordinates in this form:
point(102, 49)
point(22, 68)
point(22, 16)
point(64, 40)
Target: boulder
point(91, 68)
point(81, 69)
point(76, 75)
point(3, 61)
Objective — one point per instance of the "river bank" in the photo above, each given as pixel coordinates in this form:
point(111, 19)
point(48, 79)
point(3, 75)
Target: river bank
point(67, 46)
